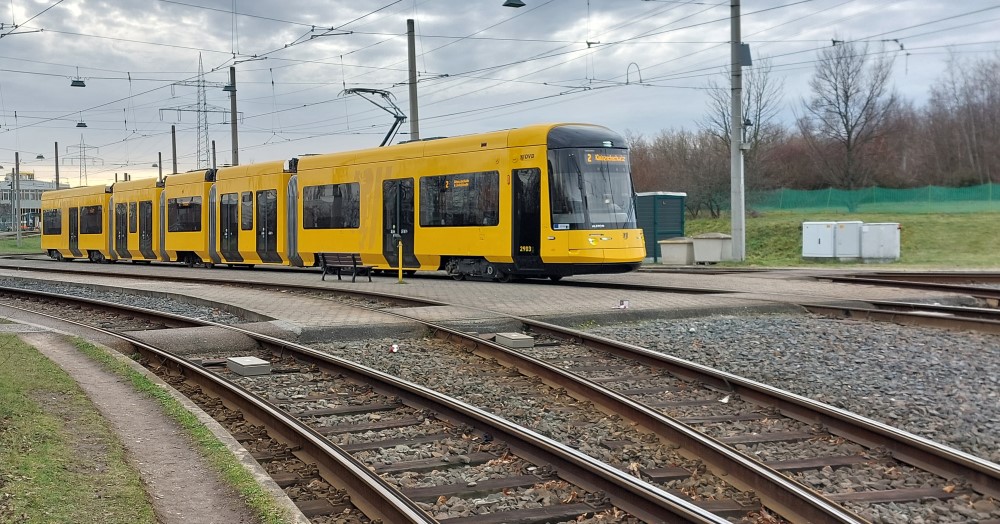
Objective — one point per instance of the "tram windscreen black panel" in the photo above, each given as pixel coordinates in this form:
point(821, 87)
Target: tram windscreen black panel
point(591, 188)
point(589, 179)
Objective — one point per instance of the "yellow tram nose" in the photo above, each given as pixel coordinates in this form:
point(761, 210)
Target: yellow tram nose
point(610, 247)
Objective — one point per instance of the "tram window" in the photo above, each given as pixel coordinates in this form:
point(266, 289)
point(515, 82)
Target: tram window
point(52, 222)
point(184, 214)
point(90, 220)
point(133, 217)
point(331, 206)
point(466, 199)
point(246, 211)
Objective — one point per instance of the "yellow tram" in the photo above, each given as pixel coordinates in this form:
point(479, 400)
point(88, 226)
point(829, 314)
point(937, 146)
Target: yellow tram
point(546, 200)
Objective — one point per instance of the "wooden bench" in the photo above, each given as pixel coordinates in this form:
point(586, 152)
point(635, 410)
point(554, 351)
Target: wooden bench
point(337, 262)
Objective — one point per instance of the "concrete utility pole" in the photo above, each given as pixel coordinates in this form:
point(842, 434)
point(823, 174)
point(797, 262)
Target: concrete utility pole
point(57, 165)
point(738, 211)
point(173, 145)
point(412, 51)
point(15, 196)
point(232, 110)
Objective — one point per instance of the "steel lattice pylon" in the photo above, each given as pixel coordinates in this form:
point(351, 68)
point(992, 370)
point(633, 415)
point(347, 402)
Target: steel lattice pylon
point(202, 108)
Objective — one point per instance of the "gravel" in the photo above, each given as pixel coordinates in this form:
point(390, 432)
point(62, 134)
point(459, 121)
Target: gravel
point(939, 384)
point(153, 301)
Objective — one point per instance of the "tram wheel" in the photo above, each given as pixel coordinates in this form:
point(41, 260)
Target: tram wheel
point(503, 277)
point(458, 276)
point(555, 278)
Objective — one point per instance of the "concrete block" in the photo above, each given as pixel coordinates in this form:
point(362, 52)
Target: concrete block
point(515, 340)
point(248, 366)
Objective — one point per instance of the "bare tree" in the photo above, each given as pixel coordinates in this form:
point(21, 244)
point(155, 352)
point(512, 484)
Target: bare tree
point(964, 117)
point(762, 99)
point(645, 176)
point(848, 113)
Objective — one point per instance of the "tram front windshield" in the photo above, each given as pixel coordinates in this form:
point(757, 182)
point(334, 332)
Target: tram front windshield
point(591, 189)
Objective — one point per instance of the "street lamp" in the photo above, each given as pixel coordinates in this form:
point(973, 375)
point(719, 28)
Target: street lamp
point(77, 82)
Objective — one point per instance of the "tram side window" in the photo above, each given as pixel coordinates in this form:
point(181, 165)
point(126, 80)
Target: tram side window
point(466, 199)
point(246, 210)
point(90, 220)
point(133, 217)
point(184, 214)
point(331, 206)
point(52, 222)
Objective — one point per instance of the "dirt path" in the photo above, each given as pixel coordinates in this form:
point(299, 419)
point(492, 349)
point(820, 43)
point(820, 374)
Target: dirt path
point(183, 489)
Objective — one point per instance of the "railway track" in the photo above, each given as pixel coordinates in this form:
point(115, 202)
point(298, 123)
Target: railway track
point(981, 286)
point(745, 414)
point(961, 318)
point(518, 459)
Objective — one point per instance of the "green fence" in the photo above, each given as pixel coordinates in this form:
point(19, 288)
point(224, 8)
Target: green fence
point(928, 199)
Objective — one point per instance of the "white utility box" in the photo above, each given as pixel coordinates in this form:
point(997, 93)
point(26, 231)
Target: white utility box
point(848, 240)
point(880, 242)
point(677, 251)
point(515, 340)
point(713, 247)
point(819, 239)
point(248, 366)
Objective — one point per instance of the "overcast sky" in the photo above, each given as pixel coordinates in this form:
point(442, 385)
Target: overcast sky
point(631, 65)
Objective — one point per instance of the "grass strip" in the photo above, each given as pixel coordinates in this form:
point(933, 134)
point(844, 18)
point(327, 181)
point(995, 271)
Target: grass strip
point(217, 454)
point(60, 461)
point(927, 241)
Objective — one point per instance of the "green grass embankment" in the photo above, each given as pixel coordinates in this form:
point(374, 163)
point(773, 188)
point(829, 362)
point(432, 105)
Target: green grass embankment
point(930, 241)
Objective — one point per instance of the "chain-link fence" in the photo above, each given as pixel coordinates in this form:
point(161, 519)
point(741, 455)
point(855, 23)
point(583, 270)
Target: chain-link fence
point(928, 199)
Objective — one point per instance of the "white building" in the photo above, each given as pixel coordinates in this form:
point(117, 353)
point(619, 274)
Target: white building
point(30, 200)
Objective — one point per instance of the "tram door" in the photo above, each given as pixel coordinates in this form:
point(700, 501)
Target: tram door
point(267, 225)
point(121, 230)
point(397, 221)
point(146, 229)
point(74, 231)
point(527, 221)
point(229, 220)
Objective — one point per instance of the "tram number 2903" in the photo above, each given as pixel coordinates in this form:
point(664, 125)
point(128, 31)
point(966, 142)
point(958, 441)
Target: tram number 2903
point(527, 249)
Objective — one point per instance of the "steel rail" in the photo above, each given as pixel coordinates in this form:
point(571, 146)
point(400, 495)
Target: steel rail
point(640, 498)
point(369, 492)
point(912, 449)
point(935, 276)
point(907, 447)
point(780, 493)
point(978, 292)
point(644, 500)
point(930, 315)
